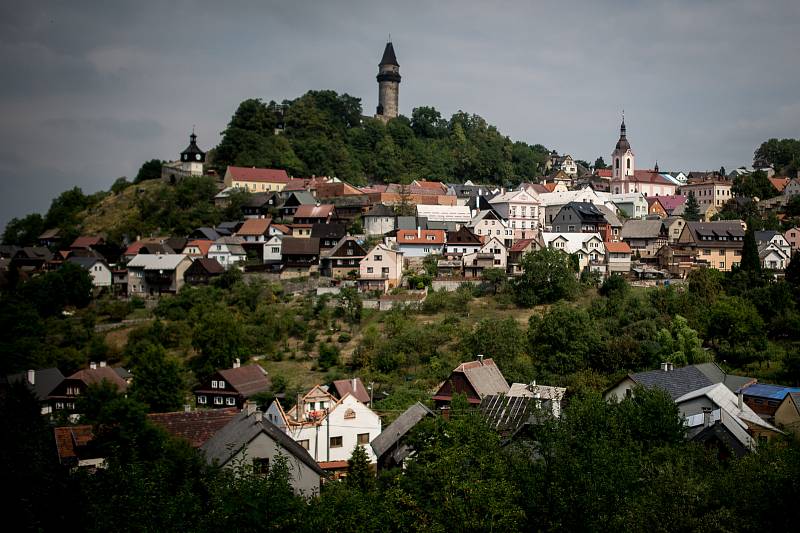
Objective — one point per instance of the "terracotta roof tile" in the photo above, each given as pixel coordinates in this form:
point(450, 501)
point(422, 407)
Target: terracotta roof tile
point(267, 175)
point(618, 247)
point(314, 211)
point(247, 379)
point(194, 426)
point(255, 226)
point(408, 236)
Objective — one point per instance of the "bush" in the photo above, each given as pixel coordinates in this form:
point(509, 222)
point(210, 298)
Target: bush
point(344, 338)
point(328, 356)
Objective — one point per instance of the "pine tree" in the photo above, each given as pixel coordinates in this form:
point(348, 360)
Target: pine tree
point(691, 211)
point(750, 260)
point(359, 473)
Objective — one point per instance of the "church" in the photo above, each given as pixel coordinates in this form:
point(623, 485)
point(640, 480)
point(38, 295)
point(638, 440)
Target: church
point(626, 179)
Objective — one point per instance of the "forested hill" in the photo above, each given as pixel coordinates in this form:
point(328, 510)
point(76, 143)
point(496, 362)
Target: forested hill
point(325, 133)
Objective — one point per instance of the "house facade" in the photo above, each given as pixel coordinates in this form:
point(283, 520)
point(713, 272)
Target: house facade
point(97, 268)
point(232, 387)
point(151, 275)
point(256, 179)
point(420, 242)
point(343, 259)
point(715, 193)
point(381, 269)
point(719, 244)
point(379, 220)
point(521, 210)
point(228, 251)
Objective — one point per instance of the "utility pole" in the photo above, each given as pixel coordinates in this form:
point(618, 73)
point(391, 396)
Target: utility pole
point(327, 436)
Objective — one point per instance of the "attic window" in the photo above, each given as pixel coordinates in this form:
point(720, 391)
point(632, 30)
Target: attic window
point(409, 237)
point(431, 237)
point(349, 414)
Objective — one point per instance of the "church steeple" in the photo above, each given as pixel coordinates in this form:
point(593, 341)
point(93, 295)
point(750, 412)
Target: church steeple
point(622, 158)
point(192, 158)
point(388, 84)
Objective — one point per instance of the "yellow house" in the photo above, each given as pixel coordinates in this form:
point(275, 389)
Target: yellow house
point(256, 179)
point(719, 244)
point(787, 416)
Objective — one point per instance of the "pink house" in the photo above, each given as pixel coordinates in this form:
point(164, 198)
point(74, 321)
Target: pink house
point(792, 236)
point(381, 269)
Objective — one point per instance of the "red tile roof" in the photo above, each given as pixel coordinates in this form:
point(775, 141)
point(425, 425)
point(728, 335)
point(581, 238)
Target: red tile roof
point(195, 426)
point(247, 379)
point(779, 182)
point(345, 386)
point(314, 211)
point(282, 228)
point(266, 175)
point(255, 226)
point(71, 437)
point(96, 375)
point(432, 186)
point(86, 242)
point(550, 186)
point(409, 236)
point(603, 172)
point(618, 247)
point(202, 244)
point(296, 185)
point(520, 245)
point(670, 202)
point(650, 176)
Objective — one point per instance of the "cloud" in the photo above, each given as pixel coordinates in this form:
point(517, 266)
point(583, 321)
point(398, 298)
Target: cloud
point(124, 129)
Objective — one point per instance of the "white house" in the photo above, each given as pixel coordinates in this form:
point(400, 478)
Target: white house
point(228, 251)
point(420, 242)
point(487, 222)
point(588, 247)
point(521, 210)
point(97, 268)
point(152, 274)
point(379, 220)
point(633, 204)
point(272, 250)
point(493, 246)
point(329, 429)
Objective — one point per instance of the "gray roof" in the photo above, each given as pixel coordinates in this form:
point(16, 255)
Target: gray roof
point(44, 381)
point(641, 229)
point(713, 372)
point(206, 233)
point(611, 217)
point(240, 431)
point(765, 236)
point(676, 382)
point(304, 197)
point(506, 414)
point(380, 210)
point(397, 429)
point(157, 262)
point(86, 262)
point(407, 222)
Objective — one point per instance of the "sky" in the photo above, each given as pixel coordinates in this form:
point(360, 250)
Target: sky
point(91, 90)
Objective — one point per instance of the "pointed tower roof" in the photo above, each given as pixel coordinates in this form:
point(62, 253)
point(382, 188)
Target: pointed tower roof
point(622, 143)
point(193, 149)
point(388, 56)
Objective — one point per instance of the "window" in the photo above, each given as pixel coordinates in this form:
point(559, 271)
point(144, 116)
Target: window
point(276, 250)
point(230, 400)
point(221, 384)
point(385, 270)
point(570, 228)
point(706, 252)
point(363, 438)
point(59, 405)
point(217, 400)
point(369, 270)
point(202, 400)
point(336, 442)
point(350, 251)
point(303, 443)
point(378, 257)
point(214, 384)
point(349, 414)
point(722, 264)
point(261, 465)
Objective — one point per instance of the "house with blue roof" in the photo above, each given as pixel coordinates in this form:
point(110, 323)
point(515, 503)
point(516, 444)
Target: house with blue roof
point(764, 398)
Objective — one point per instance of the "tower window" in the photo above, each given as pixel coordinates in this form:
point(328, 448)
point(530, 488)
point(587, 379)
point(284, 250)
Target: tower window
point(617, 162)
point(628, 162)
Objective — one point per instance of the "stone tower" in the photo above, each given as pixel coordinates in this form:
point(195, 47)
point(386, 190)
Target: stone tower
point(388, 85)
point(622, 158)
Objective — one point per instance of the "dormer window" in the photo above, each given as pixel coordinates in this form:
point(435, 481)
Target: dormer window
point(431, 237)
point(214, 384)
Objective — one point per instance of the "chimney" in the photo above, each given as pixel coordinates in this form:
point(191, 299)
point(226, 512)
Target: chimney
point(419, 232)
point(32, 377)
point(665, 367)
point(93, 365)
point(249, 408)
point(102, 364)
point(258, 415)
point(187, 408)
point(740, 398)
point(354, 384)
point(706, 416)
point(670, 367)
point(237, 363)
point(480, 358)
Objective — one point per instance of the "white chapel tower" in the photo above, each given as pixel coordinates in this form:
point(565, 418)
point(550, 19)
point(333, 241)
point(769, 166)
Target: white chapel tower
point(622, 158)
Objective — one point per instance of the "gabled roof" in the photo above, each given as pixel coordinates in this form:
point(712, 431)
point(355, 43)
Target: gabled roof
point(254, 227)
point(611, 217)
point(157, 262)
point(573, 241)
point(484, 376)
point(717, 375)
point(676, 382)
point(202, 244)
point(779, 182)
point(407, 236)
point(211, 266)
point(52, 233)
point(618, 247)
point(723, 397)
point(314, 211)
point(338, 249)
point(521, 245)
point(44, 381)
point(86, 242)
point(515, 196)
point(86, 263)
point(463, 236)
point(241, 430)
point(670, 202)
point(150, 246)
point(299, 246)
point(642, 229)
point(766, 236)
point(91, 376)
point(194, 426)
point(345, 386)
point(395, 431)
point(329, 231)
point(715, 230)
point(380, 210)
point(207, 233)
point(445, 213)
point(586, 211)
point(266, 175)
point(247, 380)
point(71, 437)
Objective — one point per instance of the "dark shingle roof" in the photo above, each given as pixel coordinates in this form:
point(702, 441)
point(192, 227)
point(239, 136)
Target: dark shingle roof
point(329, 231)
point(388, 56)
point(298, 246)
point(44, 381)
point(241, 430)
point(345, 386)
point(676, 382)
point(197, 427)
point(380, 210)
point(397, 429)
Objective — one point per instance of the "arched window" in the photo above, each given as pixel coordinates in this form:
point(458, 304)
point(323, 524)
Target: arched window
point(616, 161)
point(629, 163)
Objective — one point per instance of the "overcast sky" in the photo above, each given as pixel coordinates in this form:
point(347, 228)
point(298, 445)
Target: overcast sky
point(90, 90)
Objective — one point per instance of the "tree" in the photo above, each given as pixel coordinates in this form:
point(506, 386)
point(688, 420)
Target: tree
point(600, 164)
point(548, 276)
point(680, 344)
point(691, 210)
point(561, 350)
point(793, 271)
point(755, 185)
point(351, 304)
point(24, 231)
point(120, 184)
point(359, 472)
point(494, 277)
point(158, 382)
point(150, 170)
point(736, 330)
point(218, 337)
point(751, 262)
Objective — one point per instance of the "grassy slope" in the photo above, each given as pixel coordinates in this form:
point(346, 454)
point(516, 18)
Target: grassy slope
point(116, 208)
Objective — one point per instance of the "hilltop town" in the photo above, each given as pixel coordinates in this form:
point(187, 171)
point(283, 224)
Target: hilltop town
point(428, 334)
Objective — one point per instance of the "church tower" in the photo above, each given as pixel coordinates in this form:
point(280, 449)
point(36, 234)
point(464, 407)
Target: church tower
point(388, 85)
point(622, 158)
point(193, 157)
